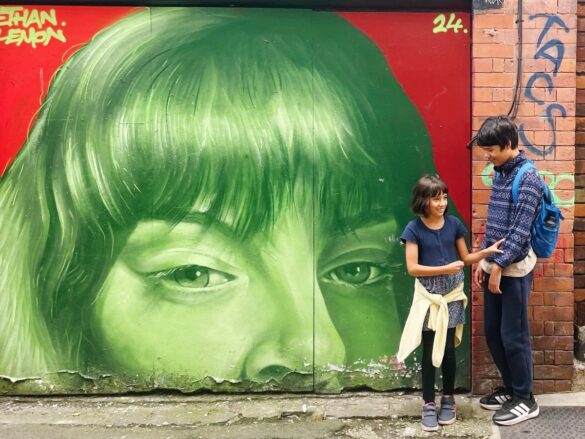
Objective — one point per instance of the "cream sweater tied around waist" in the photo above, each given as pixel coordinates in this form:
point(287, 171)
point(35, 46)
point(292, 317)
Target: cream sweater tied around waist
point(437, 305)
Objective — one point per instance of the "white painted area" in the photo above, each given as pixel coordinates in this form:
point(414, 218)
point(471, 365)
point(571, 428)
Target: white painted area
point(568, 399)
point(495, 432)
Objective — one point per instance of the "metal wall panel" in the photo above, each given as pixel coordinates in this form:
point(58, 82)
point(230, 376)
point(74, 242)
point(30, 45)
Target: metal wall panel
point(212, 198)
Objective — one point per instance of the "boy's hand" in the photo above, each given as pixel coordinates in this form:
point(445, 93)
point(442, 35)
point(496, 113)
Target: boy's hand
point(494, 247)
point(495, 278)
point(478, 277)
point(454, 267)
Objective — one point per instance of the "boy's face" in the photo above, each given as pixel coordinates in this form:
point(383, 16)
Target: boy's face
point(498, 156)
point(198, 301)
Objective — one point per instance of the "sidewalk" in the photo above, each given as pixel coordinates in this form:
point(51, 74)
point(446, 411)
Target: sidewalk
point(363, 415)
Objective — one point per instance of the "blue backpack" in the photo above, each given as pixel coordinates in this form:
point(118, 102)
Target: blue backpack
point(545, 229)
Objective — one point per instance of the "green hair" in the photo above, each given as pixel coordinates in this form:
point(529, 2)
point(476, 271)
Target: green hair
point(167, 109)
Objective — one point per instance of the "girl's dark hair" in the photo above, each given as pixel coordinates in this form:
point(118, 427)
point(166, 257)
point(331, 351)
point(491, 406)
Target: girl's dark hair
point(498, 130)
point(427, 187)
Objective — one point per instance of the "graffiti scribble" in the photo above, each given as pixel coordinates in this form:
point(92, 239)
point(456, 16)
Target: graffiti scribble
point(544, 52)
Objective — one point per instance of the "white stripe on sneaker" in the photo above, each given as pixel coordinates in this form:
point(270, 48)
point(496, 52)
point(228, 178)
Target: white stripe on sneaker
point(518, 411)
point(518, 419)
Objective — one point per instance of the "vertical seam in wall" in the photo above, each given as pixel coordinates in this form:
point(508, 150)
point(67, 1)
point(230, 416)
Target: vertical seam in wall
point(470, 200)
point(313, 201)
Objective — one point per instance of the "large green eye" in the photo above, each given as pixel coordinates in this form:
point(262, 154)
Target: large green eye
point(194, 276)
point(357, 273)
point(353, 273)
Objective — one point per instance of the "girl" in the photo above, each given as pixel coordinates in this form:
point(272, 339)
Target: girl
point(436, 253)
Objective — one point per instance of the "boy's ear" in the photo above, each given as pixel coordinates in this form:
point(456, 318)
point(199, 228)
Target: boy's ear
point(508, 145)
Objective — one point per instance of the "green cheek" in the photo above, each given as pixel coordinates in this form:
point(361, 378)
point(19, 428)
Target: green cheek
point(366, 319)
point(142, 333)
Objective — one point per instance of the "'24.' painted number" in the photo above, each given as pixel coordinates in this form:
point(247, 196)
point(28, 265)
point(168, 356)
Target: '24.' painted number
point(443, 25)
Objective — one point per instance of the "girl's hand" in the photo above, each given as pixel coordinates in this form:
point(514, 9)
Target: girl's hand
point(454, 267)
point(494, 248)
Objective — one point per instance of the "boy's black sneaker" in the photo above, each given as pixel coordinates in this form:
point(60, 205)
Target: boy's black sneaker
point(516, 410)
point(496, 399)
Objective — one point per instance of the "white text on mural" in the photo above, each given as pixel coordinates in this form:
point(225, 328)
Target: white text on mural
point(20, 25)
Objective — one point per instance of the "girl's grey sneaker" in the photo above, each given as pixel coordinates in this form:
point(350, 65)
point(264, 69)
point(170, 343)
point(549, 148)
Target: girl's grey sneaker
point(447, 411)
point(496, 399)
point(429, 417)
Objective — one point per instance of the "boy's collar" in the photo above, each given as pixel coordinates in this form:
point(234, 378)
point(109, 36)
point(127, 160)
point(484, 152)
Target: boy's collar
point(511, 164)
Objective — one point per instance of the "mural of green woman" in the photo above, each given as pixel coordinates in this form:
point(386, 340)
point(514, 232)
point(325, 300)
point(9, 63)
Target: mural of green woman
point(212, 193)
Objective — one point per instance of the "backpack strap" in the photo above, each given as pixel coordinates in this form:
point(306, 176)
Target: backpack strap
point(516, 184)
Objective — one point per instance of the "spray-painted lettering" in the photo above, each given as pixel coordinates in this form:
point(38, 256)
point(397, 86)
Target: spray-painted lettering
point(552, 181)
point(553, 50)
point(442, 24)
point(479, 5)
point(20, 25)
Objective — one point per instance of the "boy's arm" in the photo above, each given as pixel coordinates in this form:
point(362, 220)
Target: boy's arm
point(529, 196)
point(418, 270)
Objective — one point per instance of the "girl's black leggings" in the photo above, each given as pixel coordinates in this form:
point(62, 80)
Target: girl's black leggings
point(448, 366)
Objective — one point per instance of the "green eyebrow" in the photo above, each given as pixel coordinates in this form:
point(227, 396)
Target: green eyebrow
point(348, 225)
point(365, 219)
point(345, 225)
point(207, 220)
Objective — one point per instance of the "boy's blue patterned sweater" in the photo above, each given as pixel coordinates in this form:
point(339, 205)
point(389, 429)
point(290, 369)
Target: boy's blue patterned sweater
point(508, 220)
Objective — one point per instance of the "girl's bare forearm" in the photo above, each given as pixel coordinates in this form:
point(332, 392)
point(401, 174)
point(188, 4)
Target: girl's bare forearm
point(472, 258)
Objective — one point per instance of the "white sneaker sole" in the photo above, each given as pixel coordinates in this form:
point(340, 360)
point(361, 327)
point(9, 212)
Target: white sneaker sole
point(519, 419)
point(490, 407)
point(448, 422)
point(425, 428)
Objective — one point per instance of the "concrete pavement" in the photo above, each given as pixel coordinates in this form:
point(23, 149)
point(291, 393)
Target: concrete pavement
point(363, 415)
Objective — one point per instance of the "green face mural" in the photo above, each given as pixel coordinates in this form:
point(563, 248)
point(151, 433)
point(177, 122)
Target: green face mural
point(213, 194)
point(193, 300)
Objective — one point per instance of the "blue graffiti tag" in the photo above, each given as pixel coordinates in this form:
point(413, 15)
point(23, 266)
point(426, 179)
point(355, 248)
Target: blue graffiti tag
point(535, 77)
point(550, 20)
point(556, 58)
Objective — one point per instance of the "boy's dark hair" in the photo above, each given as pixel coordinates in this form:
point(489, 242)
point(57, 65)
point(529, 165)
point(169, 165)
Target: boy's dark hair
point(427, 187)
point(498, 130)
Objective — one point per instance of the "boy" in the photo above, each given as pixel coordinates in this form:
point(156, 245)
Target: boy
point(508, 276)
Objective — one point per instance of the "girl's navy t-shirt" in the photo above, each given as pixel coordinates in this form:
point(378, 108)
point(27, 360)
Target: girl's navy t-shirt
point(437, 247)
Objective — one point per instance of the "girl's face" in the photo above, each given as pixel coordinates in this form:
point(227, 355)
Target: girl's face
point(437, 205)
point(194, 299)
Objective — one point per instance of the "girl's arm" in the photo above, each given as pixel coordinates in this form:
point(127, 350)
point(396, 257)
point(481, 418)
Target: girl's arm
point(472, 258)
point(416, 269)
